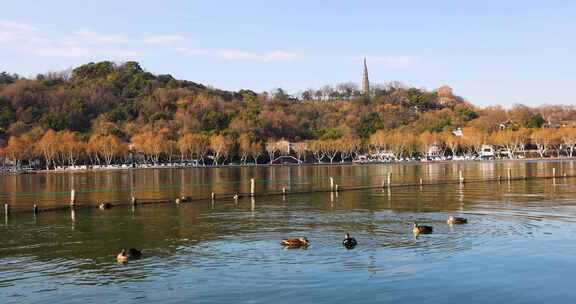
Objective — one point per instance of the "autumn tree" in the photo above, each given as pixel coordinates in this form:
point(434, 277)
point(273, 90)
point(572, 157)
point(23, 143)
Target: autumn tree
point(300, 149)
point(316, 147)
point(244, 144)
point(272, 148)
point(255, 150)
point(108, 147)
point(451, 141)
point(331, 148)
point(48, 147)
point(568, 138)
point(379, 140)
point(427, 141)
point(18, 149)
point(349, 147)
point(474, 138)
point(185, 145)
point(544, 139)
point(150, 143)
point(513, 141)
point(70, 147)
point(220, 146)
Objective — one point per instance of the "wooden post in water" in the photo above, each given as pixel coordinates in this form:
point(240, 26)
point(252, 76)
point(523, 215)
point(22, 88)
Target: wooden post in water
point(283, 190)
point(331, 183)
point(213, 196)
point(421, 182)
point(461, 177)
point(336, 188)
point(35, 209)
point(252, 187)
point(133, 201)
point(509, 174)
point(553, 172)
point(72, 198)
point(6, 209)
point(389, 179)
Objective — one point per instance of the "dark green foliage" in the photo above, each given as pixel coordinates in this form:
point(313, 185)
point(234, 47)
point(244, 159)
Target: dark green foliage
point(93, 70)
point(6, 78)
point(535, 120)
point(368, 125)
point(466, 113)
point(6, 115)
point(330, 134)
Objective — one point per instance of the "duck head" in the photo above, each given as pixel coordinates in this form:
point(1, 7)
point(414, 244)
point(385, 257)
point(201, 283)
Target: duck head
point(304, 240)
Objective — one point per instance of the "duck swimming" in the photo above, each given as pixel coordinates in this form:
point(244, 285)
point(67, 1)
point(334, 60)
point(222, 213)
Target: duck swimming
point(130, 254)
point(421, 229)
point(295, 242)
point(452, 220)
point(349, 242)
point(104, 206)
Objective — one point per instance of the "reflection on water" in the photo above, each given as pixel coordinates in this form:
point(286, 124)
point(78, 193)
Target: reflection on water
point(518, 247)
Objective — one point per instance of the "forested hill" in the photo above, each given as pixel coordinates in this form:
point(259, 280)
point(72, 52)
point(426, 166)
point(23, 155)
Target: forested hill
point(123, 100)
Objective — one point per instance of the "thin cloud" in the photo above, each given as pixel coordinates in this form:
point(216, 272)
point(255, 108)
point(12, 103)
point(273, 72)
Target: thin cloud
point(14, 31)
point(270, 56)
point(164, 39)
point(73, 50)
point(17, 26)
point(192, 52)
point(395, 62)
point(241, 55)
point(100, 38)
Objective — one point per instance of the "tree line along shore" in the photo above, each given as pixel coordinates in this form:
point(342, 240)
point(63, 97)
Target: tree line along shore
point(103, 114)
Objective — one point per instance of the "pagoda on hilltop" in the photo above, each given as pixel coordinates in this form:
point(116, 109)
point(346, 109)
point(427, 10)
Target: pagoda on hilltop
point(365, 81)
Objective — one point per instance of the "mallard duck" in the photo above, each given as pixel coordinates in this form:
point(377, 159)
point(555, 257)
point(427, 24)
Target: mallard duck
point(349, 242)
point(185, 199)
point(130, 254)
point(452, 220)
point(295, 242)
point(421, 229)
point(104, 206)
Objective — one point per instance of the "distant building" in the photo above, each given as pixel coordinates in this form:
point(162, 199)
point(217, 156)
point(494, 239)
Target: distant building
point(487, 152)
point(457, 132)
point(446, 96)
point(434, 151)
point(365, 81)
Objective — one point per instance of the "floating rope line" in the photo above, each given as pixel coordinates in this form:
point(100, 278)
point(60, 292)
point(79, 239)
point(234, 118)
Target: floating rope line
point(228, 196)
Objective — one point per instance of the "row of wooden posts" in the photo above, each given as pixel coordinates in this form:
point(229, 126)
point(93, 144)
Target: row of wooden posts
point(333, 188)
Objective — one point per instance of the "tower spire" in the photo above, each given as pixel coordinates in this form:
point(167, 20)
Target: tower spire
point(365, 81)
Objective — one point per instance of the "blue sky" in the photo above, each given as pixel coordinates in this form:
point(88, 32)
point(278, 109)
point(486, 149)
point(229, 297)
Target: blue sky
point(490, 52)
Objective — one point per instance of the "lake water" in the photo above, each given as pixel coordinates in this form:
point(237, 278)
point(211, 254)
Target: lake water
point(519, 245)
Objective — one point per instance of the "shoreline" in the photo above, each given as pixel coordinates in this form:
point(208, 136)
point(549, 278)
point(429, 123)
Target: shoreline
point(411, 162)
